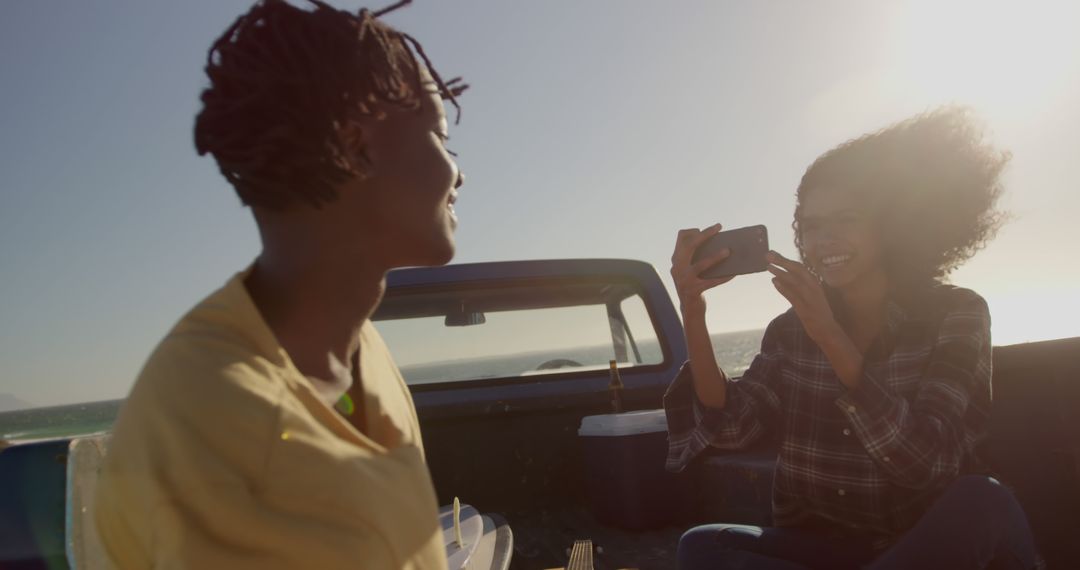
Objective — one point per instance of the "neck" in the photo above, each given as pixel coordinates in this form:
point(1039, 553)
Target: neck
point(315, 305)
point(864, 305)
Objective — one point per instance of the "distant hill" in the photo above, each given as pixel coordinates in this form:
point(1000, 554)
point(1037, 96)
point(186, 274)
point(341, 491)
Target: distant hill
point(9, 403)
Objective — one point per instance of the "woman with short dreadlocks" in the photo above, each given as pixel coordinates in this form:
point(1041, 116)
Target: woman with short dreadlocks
point(270, 428)
point(876, 382)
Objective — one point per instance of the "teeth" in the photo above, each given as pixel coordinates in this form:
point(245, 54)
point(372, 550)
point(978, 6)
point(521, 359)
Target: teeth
point(835, 259)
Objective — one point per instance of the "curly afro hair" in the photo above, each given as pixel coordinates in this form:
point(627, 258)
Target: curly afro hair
point(930, 183)
point(284, 85)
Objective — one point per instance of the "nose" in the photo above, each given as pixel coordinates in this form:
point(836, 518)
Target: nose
point(826, 235)
point(460, 179)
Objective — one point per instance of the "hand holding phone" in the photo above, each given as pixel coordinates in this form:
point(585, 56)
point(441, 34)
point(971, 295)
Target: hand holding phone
point(746, 252)
point(696, 268)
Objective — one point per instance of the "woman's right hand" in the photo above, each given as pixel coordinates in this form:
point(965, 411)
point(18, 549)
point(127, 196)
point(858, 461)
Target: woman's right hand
point(686, 274)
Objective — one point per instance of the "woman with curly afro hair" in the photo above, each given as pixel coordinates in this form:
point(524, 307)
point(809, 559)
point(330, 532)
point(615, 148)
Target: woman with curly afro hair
point(876, 382)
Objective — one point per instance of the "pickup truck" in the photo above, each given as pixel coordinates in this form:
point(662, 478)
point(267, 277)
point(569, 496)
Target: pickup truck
point(505, 359)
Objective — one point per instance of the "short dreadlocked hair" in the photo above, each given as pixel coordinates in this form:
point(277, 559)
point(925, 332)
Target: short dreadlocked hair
point(931, 183)
point(284, 84)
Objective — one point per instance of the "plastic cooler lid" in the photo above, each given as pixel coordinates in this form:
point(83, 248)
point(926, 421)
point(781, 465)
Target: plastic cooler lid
point(629, 423)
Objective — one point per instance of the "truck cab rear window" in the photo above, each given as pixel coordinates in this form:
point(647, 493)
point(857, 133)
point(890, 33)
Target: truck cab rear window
point(517, 330)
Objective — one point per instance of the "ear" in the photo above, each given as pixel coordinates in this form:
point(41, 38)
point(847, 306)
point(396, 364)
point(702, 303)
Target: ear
point(355, 134)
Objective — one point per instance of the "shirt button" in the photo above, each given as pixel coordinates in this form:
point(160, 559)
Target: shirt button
point(841, 492)
point(886, 459)
point(847, 431)
point(851, 409)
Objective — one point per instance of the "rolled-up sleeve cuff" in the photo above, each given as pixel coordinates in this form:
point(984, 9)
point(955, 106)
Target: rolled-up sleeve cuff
point(693, 427)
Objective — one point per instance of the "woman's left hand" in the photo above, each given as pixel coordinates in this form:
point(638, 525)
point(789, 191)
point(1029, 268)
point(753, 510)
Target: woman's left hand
point(806, 295)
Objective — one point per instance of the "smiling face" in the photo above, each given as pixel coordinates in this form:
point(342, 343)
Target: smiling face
point(404, 203)
point(839, 240)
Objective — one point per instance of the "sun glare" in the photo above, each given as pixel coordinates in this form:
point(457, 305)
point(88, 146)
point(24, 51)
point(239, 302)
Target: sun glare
point(1011, 60)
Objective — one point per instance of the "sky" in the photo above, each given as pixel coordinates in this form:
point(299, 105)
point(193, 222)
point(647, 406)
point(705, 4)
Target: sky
point(594, 128)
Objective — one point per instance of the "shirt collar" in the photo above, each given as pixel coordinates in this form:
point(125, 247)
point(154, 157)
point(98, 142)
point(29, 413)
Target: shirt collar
point(895, 315)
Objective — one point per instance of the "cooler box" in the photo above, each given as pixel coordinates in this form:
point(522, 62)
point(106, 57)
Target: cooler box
point(625, 478)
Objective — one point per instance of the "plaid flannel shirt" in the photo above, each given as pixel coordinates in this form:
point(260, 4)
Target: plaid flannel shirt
point(873, 458)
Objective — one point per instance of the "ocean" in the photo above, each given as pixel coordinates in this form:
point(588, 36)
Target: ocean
point(734, 351)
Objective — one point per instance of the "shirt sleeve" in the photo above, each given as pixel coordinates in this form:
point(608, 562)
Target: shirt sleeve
point(752, 405)
point(192, 483)
point(922, 443)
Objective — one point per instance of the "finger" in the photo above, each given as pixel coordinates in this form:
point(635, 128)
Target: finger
point(704, 235)
point(684, 237)
point(689, 240)
point(785, 290)
point(780, 272)
point(710, 283)
point(806, 275)
point(704, 285)
point(792, 284)
point(681, 241)
point(777, 259)
point(791, 294)
point(710, 262)
point(686, 233)
point(793, 267)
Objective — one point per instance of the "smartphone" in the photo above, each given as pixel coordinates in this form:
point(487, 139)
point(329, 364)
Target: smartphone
point(748, 248)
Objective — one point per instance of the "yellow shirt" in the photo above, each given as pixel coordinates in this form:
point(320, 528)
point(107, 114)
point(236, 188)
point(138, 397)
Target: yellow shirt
point(224, 456)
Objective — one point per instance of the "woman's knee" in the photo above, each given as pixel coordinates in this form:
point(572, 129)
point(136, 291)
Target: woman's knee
point(981, 490)
point(694, 542)
point(704, 541)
